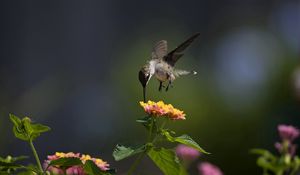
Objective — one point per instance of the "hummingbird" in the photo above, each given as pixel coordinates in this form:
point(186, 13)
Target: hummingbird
point(162, 64)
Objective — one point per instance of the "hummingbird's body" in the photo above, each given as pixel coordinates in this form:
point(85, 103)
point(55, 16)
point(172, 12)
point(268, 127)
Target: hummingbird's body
point(162, 64)
point(162, 70)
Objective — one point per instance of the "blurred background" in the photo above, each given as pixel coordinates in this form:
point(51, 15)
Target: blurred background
point(73, 65)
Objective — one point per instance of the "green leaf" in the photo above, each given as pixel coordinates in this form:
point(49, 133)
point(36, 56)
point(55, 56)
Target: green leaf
point(187, 140)
point(166, 160)
point(111, 171)
point(30, 170)
point(264, 153)
point(147, 122)
point(16, 121)
point(92, 169)
point(184, 139)
point(26, 173)
point(25, 130)
point(18, 128)
point(40, 128)
point(146, 119)
point(66, 162)
point(9, 165)
point(14, 159)
point(10, 159)
point(183, 171)
point(6, 167)
point(27, 125)
point(122, 152)
point(264, 163)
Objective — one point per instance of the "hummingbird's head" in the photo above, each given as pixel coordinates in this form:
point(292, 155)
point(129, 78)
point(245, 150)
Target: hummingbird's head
point(144, 75)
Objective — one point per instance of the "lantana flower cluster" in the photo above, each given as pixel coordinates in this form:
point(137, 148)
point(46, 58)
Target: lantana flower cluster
point(104, 166)
point(288, 134)
point(160, 109)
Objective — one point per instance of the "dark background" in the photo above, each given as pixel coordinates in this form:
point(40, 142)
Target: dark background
point(73, 65)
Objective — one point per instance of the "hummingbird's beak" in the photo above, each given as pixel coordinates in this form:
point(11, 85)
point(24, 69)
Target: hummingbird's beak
point(144, 93)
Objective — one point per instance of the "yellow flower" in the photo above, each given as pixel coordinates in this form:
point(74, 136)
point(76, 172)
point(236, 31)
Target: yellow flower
point(85, 157)
point(104, 166)
point(160, 109)
point(101, 164)
point(63, 155)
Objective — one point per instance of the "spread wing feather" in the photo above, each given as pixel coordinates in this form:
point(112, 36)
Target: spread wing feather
point(160, 50)
point(173, 56)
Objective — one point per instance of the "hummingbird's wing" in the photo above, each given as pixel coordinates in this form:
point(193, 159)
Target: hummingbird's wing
point(173, 56)
point(160, 50)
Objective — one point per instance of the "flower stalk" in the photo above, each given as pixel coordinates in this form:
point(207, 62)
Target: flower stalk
point(36, 156)
point(141, 156)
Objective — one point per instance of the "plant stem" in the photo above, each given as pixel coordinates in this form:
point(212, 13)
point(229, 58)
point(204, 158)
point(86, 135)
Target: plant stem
point(136, 162)
point(36, 157)
point(140, 157)
point(150, 131)
point(161, 127)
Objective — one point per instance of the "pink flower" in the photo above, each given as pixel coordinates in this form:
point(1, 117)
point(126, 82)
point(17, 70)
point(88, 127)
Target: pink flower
point(288, 132)
point(278, 146)
point(160, 109)
point(75, 170)
point(104, 166)
point(291, 148)
point(206, 168)
point(187, 153)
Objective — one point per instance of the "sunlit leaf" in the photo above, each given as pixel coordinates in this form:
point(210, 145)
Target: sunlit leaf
point(184, 139)
point(25, 130)
point(10, 159)
point(122, 152)
point(146, 119)
point(66, 162)
point(18, 128)
point(92, 169)
point(8, 164)
point(265, 153)
point(264, 163)
point(166, 160)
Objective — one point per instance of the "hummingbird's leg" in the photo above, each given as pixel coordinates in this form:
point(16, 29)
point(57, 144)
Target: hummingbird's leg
point(167, 88)
point(169, 82)
point(160, 86)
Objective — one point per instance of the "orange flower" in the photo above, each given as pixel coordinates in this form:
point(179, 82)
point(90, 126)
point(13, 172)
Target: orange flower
point(160, 109)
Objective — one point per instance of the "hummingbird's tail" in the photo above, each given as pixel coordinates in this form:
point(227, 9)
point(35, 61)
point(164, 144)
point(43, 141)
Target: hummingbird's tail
point(179, 73)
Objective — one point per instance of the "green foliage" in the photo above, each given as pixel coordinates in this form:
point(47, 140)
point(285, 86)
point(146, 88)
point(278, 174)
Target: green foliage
point(184, 139)
point(279, 165)
point(25, 130)
point(8, 165)
point(65, 163)
point(166, 160)
point(31, 170)
point(91, 169)
point(10, 159)
point(122, 152)
point(149, 123)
